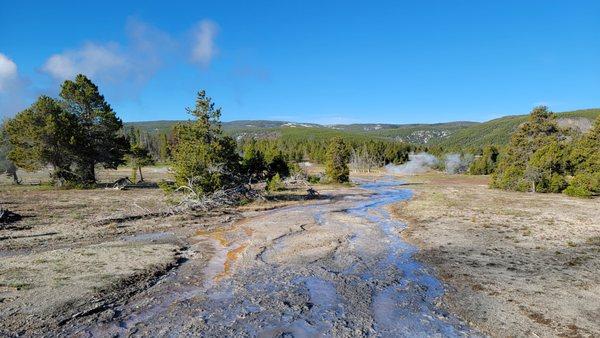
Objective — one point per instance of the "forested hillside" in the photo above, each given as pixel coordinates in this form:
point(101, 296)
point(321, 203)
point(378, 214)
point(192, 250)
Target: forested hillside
point(450, 135)
point(413, 133)
point(498, 131)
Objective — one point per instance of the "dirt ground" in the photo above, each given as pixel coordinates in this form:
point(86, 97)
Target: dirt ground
point(82, 263)
point(516, 264)
point(90, 263)
point(76, 253)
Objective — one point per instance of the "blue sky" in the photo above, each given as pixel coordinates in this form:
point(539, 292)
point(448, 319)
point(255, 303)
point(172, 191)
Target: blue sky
point(308, 61)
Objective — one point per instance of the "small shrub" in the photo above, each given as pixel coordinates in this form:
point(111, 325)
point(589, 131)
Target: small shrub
point(577, 192)
point(275, 183)
point(313, 179)
point(134, 175)
point(167, 186)
point(557, 183)
point(584, 185)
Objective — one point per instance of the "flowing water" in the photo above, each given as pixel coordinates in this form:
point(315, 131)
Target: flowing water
point(338, 268)
point(409, 306)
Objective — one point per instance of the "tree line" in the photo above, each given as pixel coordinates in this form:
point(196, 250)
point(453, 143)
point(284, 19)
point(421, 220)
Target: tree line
point(544, 157)
point(79, 131)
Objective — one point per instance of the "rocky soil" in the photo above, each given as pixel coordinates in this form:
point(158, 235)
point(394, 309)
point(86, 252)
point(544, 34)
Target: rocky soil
point(516, 264)
point(335, 266)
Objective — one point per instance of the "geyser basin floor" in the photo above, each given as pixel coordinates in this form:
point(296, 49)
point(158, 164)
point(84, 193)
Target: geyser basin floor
point(334, 268)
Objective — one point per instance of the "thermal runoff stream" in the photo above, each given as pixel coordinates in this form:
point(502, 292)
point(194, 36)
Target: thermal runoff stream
point(336, 267)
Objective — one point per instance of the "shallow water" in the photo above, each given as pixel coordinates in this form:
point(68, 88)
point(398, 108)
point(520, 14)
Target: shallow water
point(367, 284)
point(407, 307)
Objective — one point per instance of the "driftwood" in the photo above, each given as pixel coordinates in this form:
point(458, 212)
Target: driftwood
point(122, 183)
point(7, 216)
point(221, 198)
point(311, 193)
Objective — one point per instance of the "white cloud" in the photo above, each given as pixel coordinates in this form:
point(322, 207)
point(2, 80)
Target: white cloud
point(133, 63)
point(123, 68)
point(8, 72)
point(119, 68)
point(106, 62)
point(204, 48)
point(15, 90)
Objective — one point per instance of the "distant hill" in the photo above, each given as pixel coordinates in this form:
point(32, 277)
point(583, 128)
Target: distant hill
point(412, 133)
point(420, 133)
point(451, 135)
point(498, 131)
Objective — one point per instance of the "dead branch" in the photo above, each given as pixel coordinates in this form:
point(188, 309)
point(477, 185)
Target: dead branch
point(7, 217)
point(194, 202)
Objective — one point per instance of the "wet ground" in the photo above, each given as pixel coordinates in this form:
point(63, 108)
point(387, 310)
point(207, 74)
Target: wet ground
point(335, 268)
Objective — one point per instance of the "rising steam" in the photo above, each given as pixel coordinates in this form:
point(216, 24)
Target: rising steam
point(458, 164)
point(417, 163)
point(423, 162)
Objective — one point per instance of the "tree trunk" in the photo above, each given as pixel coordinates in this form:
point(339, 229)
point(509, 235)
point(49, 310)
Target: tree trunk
point(15, 177)
point(88, 174)
point(141, 176)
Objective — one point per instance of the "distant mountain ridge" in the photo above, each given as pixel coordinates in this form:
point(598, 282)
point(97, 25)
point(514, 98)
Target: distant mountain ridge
point(452, 135)
point(498, 131)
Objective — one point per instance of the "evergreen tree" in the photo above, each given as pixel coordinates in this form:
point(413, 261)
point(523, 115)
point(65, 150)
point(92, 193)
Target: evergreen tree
point(585, 162)
point(278, 166)
point(204, 160)
point(336, 165)
point(540, 129)
point(585, 154)
point(486, 163)
point(7, 166)
point(41, 135)
point(164, 152)
point(275, 183)
point(253, 162)
point(139, 157)
point(99, 139)
point(549, 162)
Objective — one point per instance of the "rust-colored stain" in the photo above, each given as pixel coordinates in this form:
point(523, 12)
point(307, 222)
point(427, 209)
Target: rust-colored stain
point(232, 256)
point(218, 234)
point(248, 231)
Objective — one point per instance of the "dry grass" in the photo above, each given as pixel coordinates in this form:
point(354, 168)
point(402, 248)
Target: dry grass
point(518, 263)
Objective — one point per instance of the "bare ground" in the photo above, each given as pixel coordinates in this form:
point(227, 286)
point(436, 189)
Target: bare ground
point(79, 254)
point(516, 264)
point(284, 266)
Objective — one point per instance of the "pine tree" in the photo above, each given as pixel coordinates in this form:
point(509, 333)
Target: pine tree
point(204, 160)
point(44, 134)
point(338, 156)
point(7, 166)
point(539, 130)
point(164, 152)
point(278, 166)
point(253, 162)
point(99, 138)
point(486, 163)
point(139, 157)
point(585, 162)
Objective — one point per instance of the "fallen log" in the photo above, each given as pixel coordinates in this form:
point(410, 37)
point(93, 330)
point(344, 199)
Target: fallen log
point(122, 183)
point(7, 216)
point(311, 193)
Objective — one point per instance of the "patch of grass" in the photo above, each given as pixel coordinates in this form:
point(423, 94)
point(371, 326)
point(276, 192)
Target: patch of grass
point(17, 285)
point(577, 260)
point(594, 240)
